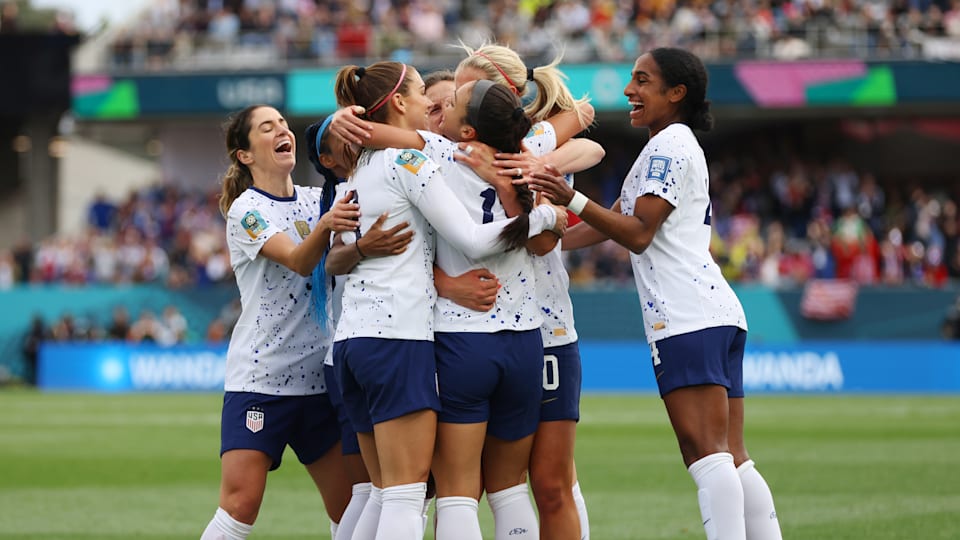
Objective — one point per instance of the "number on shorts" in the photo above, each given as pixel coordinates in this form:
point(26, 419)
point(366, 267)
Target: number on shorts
point(489, 196)
point(551, 372)
point(655, 353)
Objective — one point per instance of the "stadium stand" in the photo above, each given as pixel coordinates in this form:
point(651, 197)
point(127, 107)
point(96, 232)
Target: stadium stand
point(202, 34)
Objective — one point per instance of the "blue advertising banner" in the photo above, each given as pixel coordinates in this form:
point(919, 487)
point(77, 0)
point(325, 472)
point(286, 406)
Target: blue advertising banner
point(120, 367)
point(822, 367)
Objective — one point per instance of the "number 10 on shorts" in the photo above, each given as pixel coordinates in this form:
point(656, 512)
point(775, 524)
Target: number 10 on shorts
point(551, 372)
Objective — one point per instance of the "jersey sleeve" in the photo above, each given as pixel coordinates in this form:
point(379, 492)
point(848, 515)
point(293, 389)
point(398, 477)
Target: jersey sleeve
point(248, 228)
point(437, 147)
point(542, 139)
point(663, 172)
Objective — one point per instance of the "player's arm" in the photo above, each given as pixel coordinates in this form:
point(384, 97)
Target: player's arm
point(583, 235)
point(375, 243)
point(347, 124)
point(302, 258)
point(568, 123)
point(633, 232)
point(476, 289)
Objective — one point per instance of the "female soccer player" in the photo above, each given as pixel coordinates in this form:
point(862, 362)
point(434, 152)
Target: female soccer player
point(553, 475)
point(383, 349)
point(693, 321)
point(275, 389)
point(329, 156)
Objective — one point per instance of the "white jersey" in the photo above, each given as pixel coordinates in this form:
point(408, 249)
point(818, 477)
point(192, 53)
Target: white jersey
point(393, 297)
point(516, 307)
point(553, 282)
point(680, 286)
point(277, 346)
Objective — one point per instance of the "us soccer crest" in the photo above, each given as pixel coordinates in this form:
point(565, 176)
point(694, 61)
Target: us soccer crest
point(303, 229)
point(254, 420)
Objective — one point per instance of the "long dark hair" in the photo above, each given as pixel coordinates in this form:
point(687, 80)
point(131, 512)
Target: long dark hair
point(497, 115)
point(237, 178)
point(678, 66)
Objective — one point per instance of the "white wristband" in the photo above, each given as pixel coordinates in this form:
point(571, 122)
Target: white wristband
point(577, 203)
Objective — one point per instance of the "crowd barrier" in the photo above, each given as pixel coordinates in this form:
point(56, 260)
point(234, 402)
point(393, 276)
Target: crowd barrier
point(608, 366)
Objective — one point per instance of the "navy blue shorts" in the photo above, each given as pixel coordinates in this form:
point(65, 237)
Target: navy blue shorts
point(491, 377)
point(348, 437)
point(383, 379)
point(561, 383)
point(269, 423)
point(708, 356)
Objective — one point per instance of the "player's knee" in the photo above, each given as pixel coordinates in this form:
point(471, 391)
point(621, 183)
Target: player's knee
point(692, 449)
point(551, 492)
point(242, 507)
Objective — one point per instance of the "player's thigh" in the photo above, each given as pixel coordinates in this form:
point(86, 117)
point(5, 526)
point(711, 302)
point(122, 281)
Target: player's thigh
point(456, 459)
point(330, 474)
point(405, 447)
point(505, 463)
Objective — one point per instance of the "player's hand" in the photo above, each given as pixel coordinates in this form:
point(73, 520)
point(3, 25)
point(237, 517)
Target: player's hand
point(479, 157)
point(551, 183)
point(348, 125)
point(560, 227)
point(517, 165)
point(378, 242)
point(476, 289)
point(344, 216)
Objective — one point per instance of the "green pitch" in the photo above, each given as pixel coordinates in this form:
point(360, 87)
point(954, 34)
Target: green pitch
point(146, 466)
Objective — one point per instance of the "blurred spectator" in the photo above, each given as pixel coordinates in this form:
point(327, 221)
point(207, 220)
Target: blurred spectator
point(175, 326)
point(950, 329)
point(8, 270)
point(198, 33)
point(9, 17)
point(31, 347)
point(102, 213)
point(119, 327)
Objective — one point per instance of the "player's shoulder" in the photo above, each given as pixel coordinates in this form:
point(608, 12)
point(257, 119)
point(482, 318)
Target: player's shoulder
point(410, 161)
point(245, 202)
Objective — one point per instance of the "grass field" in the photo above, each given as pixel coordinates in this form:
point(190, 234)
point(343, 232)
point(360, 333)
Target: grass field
point(146, 466)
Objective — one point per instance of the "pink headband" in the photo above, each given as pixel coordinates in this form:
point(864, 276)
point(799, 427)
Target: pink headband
point(403, 75)
point(512, 86)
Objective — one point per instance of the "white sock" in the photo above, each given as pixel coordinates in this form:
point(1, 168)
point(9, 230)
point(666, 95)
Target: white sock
point(513, 514)
point(720, 495)
point(366, 527)
point(402, 515)
point(582, 512)
point(361, 492)
point(457, 519)
point(333, 529)
point(758, 509)
point(224, 527)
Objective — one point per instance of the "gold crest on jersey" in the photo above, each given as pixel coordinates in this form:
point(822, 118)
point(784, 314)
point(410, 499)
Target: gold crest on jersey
point(303, 229)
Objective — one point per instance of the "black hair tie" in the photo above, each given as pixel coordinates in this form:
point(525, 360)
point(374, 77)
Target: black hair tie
point(529, 74)
point(360, 71)
point(518, 113)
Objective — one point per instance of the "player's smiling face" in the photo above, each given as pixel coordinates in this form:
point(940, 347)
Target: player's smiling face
point(652, 103)
point(440, 93)
point(453, 124)
point(272, 144)
point(416, 101)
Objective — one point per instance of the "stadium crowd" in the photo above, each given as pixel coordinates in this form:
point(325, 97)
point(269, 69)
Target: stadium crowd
point(778, 223)
point(206, 33)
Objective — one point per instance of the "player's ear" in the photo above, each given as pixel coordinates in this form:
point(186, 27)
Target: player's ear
point(677, 93)
point(245, 157)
